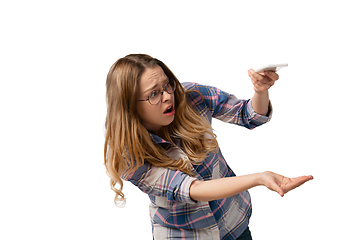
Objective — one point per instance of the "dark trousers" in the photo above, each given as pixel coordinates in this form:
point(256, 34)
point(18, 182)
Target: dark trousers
point(246, 235)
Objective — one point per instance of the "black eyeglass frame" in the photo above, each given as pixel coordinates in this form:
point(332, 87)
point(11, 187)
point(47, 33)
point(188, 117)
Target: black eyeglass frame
point(162, 92)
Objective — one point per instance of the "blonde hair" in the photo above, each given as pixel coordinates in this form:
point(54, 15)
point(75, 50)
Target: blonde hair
point(128, 144)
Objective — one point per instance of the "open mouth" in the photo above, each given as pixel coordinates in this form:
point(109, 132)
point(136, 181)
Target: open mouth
point(169, 110)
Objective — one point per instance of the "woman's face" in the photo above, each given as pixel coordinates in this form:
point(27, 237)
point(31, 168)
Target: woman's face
point(154, 117)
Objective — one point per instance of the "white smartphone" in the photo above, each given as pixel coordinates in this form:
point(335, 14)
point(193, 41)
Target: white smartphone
point(271, 67)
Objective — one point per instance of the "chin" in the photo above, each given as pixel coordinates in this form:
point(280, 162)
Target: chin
point(172, 120)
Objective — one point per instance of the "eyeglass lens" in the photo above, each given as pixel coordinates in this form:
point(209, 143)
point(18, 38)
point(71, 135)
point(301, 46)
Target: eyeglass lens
point(155, 97)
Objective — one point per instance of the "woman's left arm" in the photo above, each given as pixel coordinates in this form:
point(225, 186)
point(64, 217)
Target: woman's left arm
point(262, 82)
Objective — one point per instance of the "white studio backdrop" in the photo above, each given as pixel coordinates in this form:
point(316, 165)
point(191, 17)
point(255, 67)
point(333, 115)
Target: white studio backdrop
point(55, 56)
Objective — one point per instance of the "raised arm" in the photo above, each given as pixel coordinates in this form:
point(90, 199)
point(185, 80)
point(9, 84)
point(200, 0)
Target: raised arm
point(226, 187)
point(262, 82)
point(212, 102)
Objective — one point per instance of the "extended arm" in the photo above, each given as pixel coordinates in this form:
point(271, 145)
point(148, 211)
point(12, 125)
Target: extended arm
point(226, 187)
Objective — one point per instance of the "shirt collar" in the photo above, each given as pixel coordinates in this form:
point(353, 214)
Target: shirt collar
point(157, 139)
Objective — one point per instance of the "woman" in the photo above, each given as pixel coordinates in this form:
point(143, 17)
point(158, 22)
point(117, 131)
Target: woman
point(159, 137)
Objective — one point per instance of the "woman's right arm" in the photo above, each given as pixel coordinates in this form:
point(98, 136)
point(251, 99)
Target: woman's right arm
point(224, 106)
point(226, 187)
point(163, 182)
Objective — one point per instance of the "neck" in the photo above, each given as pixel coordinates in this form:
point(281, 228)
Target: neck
point(160, 133)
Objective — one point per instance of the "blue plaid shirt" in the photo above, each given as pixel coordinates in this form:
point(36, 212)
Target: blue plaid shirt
point(173, 213)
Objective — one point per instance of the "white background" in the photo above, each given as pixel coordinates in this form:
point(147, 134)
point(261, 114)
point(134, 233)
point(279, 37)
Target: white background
point(55, 56)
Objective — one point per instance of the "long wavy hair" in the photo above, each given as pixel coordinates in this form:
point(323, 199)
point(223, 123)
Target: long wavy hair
point(127, 142)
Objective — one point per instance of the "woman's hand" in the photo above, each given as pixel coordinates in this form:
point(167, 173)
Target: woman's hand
point(220, 188)
point(262, 81)
point(281, 184)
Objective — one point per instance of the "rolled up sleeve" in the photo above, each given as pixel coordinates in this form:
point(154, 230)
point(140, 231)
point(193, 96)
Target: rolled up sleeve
point(162, 182)
point(258, 119)
point(226, 107)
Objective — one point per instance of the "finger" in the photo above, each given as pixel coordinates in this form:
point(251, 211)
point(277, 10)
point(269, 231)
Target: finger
point(281, 192)
point(276, 188)
point(261, 85)
point(262, 81)
point(263, 76)
point(250, 72)
point(272, 75)
point(296, 182)
point(273, 182)
point(260, 77)
point(257, 76)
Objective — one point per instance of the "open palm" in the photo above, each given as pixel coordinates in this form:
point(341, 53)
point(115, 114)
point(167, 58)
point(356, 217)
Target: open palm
point(281, 184)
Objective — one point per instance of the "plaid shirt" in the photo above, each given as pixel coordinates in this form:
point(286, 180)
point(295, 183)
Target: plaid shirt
point(173, 213)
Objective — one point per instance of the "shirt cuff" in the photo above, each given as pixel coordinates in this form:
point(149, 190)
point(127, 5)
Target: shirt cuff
point(253, 116)
point(183, 194)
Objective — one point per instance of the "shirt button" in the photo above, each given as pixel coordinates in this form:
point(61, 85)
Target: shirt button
point(209, 214)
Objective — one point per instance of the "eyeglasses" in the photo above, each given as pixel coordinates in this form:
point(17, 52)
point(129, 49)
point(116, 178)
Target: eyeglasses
point(155, 96)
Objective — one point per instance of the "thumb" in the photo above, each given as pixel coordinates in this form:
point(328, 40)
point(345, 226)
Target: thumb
point(277, 189)
point(281, 192)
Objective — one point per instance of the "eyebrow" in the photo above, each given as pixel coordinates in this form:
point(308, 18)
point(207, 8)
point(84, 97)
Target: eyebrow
point(155, 86)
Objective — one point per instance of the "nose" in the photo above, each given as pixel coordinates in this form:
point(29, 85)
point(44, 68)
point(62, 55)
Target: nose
point(165, 96)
